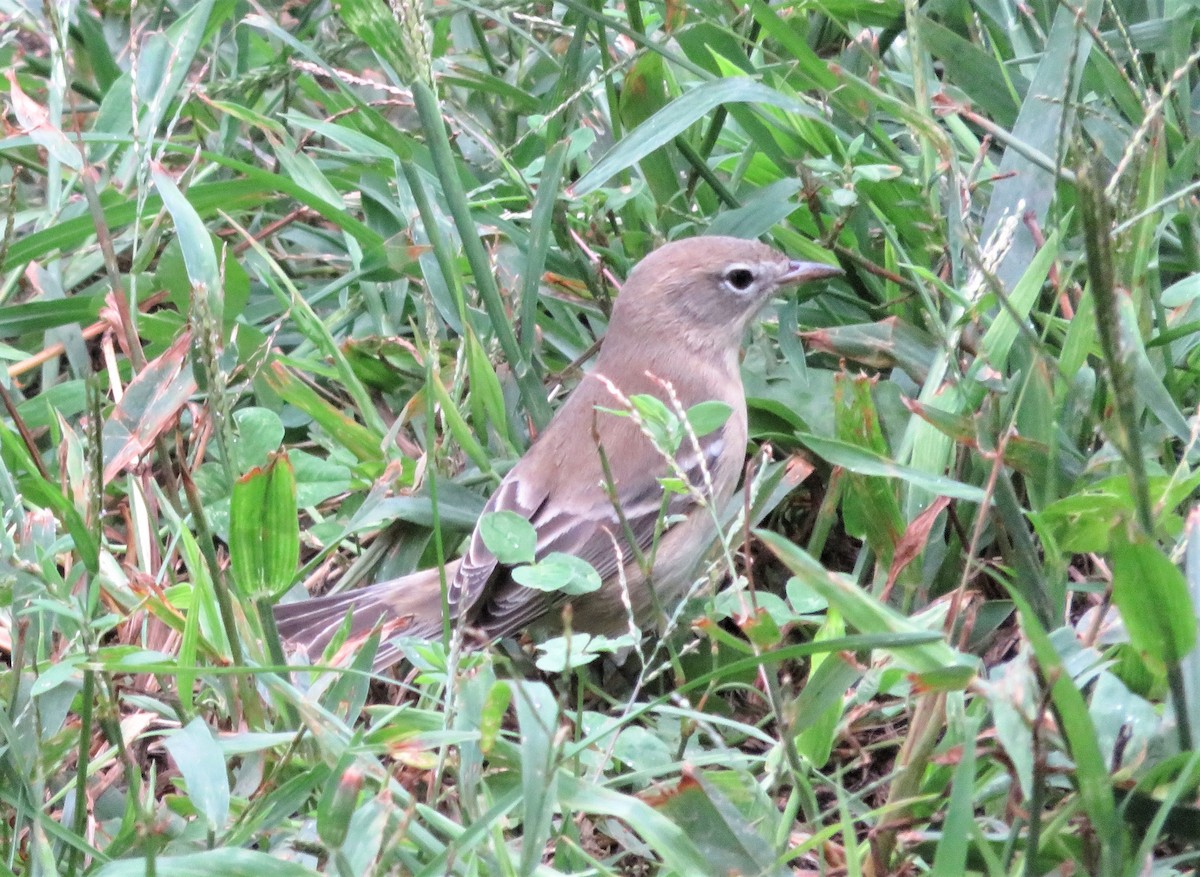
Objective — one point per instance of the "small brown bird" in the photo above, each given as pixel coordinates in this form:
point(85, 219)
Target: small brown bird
point(678, 323)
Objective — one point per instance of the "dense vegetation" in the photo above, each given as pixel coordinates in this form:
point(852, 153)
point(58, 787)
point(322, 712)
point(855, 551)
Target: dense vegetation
point(284, 291)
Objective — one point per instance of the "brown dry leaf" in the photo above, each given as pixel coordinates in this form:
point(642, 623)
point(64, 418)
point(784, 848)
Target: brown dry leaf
point(151, 403)
point(34, 120)
point(799, 468)
point(916, 535)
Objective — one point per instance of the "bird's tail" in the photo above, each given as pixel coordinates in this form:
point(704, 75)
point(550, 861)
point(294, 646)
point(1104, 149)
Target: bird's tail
point(408, 606)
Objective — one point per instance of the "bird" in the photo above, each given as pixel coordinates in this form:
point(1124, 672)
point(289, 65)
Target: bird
point(675, 333)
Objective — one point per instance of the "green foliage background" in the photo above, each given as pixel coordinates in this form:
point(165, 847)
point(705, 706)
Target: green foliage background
point(284, 291)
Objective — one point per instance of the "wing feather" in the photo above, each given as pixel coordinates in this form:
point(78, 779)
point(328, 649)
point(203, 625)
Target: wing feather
point(592, 532)
point(479, 565)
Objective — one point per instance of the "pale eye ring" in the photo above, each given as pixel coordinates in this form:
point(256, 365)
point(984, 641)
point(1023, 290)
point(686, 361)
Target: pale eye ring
point(740, 278)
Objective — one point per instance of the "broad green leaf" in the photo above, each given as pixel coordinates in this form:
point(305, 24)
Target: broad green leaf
point(643, 94)
point(1091, 773)
point(728, 840)
point(951, 857)
point(1152, 596)
point(998, 339)
point(866, 463)
point(563, 573)
point(761, 212)
point(1177, 294)
point(885, 344)
point(245, 532)
point(1032, 147)
point(708, 417)
point(199, 255)
point(537, 717)
point(202, 764)
point(667, 838)
point(935, 664)
point(227, 861)
point(39, 316)
point(338, 803)
point(870, 506)
point(365, 835)
point(358, 439)
point(974, 70)
point(509, 536)
point(675, 118)
point(264, 530)
point(562, 653)
point(818, 710)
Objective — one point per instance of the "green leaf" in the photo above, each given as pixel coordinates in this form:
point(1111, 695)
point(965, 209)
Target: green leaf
point(883, 344)
point(280, 526)
point(936, 665)
point(671, 841)
point(165, 60)
point(1181, 292)
point(372, 23)
point(457, 425)
point(951, 857)
point(866, 463)
point(365, 444)
point(202, 764)
point(537, 716)
point(264, 529)
point(338, 803)
point(870, 507)
point(727, 839)
point(706, 417)
point(804, 600)
point(1091, 772)
point(509, 536)
point(47, 495)
point(491, 716)
point(562, 653)
point(227, 861)
point(817, 711)
point(998, 340)
point(38, 316)
point(199, 255)
point(486, 396)
point(260, 432)
point(245, 532)
point(659, 420)
point(559, 572)
point(1031, 147)
point(644, 93)
point(974, 69)
point(1152, 596)
point(675, 118)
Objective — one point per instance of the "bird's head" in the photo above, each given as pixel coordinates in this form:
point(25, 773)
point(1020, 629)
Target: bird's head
point(703, 291)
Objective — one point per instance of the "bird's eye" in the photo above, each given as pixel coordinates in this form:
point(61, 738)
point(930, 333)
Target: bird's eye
point(739, 278)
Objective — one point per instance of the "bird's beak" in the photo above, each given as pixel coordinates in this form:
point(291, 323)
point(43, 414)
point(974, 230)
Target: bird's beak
point(802, 272)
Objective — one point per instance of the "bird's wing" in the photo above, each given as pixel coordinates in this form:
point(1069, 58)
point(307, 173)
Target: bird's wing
point(521, 495)
point(589, 533)
point(587, 526)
